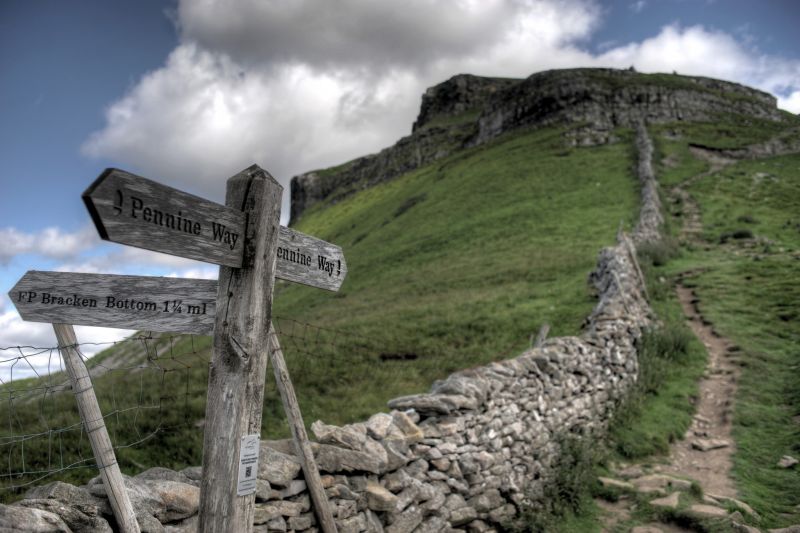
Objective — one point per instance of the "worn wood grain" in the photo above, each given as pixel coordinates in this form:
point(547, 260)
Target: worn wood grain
point(130, 302)
point(95, 427)
point(635, 260)
point(133, 210)
point(305, 259)
point(129, 209)
point(239, 354)
point(541, 336)
point(300, 437)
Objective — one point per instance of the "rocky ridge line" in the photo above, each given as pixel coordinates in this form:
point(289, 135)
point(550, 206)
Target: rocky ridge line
point(470, 110)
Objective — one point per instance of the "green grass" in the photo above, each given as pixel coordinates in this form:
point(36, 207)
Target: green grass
point(659, 409)
point(151, 404)
point(762, 196)
point(749, 290)
point(566, 504)
point(500, 242)
point(752, 296)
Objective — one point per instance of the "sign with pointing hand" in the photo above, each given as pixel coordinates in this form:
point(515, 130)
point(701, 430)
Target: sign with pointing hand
point(130, 209)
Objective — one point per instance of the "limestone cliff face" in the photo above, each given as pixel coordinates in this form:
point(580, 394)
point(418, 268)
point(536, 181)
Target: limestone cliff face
point(470, 110)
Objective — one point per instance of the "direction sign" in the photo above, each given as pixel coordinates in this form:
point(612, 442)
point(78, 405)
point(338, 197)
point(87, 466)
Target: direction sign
point(133, 210)
point(310, 261)
point(129, 302)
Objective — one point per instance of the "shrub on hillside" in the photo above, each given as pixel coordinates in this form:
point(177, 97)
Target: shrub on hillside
point(568, 492)
point(658, 253)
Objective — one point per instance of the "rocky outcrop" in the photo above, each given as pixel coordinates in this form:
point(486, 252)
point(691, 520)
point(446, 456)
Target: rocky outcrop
point(786, 142)
point(471, 110)
point(604, 99)
point(460, 94)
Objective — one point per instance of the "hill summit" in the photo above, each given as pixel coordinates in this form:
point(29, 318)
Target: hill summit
point(469, 110)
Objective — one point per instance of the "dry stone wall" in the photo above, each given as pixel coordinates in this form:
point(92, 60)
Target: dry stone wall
point(463, 457)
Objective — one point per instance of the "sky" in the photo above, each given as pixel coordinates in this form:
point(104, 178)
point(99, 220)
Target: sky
point(188, 93)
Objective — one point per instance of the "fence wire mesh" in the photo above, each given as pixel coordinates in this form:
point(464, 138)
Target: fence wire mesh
point(148, 387)
point(152, 392)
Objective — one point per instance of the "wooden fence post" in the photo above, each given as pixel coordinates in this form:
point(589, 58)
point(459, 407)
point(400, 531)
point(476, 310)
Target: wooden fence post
point(541, 336)
point(95, 427)
point(239, 354)
point(299, 435)
point(635, 260)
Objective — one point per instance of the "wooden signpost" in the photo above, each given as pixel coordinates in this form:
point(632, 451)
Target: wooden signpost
point(243, 237)
point(310, 261)
point(129, 302)
point(130, 209)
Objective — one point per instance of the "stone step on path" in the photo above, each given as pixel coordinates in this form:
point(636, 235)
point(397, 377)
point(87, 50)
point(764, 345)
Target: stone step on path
point(636, 485)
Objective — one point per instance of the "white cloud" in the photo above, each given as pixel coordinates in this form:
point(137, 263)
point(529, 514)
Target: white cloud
point(308, 84)
point(790, 103)
point(686, 50)
point(127, 260)
point(203, 272)
point(201, 119)
point(304, 85)
point(53, 243)
point(700, 51)
point(347, 32)
point(638, 6)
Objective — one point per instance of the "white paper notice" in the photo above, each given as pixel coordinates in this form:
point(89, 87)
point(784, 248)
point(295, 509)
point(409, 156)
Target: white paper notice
point(248, 465)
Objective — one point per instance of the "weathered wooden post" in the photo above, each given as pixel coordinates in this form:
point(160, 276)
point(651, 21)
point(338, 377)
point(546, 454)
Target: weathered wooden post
point(302, 447)
point(540, 337)
point(239, 359)
point(95, 427)
point(245, 239)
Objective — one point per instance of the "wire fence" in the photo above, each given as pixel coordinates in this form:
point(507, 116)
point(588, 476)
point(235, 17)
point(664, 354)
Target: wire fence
point(152, 392)
point(147, 386)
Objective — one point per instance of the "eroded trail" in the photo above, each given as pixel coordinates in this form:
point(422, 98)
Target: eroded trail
point(705, 455)
point(692, 227)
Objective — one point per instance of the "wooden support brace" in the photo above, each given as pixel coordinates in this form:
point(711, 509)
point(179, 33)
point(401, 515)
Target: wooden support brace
point(632, 253)
point(95, 426)
point(301, 445)
point(541, 336)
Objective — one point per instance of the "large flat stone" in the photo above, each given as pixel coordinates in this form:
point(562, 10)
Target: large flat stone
point(701, 510)
point(705, 445)
point(406, 521)
point(76, 520)
point(380, 499)
point(30, 520)
point(276, 467)
point(352, 436)
point(333, 459)
point(667, 502)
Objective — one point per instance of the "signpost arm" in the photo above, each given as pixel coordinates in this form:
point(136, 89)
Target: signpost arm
point(301, 444)
point(95, 427)
point(239, 355)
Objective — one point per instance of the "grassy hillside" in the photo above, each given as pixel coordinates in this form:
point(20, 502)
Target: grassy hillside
point(451, 266)
point(459, 262)
point(747, 265)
